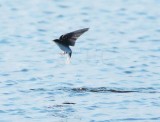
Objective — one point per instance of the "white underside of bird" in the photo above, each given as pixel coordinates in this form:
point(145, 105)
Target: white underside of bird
point(66, 50)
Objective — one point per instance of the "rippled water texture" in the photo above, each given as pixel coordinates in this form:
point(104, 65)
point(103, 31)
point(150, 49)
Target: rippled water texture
point(114, 75)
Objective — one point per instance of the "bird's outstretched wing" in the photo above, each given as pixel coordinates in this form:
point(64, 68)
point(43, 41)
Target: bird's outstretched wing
point(69, 39)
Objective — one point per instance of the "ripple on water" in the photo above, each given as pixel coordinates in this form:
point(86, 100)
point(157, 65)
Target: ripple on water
point(84, 13)
point(42, 22)
point(41, 30)
point(157, 30)
point(48, 12)
point(16, 111)
point(63, 6)
point(60, 16)
point(24, 70)
point(143, 37)
point(110, 90)
point(151, 17)
point(1, 111)
point(10, 83)
point(128, 72)
point(5, 75)
point(4, 41)
point(86, 20)
point(141, 13)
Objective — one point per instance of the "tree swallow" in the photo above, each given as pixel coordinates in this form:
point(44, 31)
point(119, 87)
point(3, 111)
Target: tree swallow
point(67, 40)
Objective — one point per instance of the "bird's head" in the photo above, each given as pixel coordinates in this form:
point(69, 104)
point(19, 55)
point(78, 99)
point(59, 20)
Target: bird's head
point(56, 40)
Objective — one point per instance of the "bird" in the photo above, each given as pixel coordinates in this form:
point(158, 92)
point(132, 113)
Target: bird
point(69, 39)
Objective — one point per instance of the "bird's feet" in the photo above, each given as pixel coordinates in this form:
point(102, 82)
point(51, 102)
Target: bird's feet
point(62, 54)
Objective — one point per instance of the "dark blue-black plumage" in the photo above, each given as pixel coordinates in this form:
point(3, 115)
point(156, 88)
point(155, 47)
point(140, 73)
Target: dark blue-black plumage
point(69, 39)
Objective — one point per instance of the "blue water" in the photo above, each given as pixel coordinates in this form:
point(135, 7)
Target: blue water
point(114, 75)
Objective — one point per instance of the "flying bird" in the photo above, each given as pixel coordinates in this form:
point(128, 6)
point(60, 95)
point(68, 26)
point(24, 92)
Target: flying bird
point(69, 39)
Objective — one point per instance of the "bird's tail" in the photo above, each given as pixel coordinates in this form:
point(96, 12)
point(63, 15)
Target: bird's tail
point(69, 58)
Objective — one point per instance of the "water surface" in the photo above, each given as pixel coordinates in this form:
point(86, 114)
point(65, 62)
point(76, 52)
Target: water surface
point(114, 75)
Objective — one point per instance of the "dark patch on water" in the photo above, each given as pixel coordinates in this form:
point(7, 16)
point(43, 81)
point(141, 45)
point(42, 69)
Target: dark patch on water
point(107, 90)
point(143, 37)
point(84, 13)
point(42, 22)
point(68, 103)
point(86, 20)
point(155, 40)
point(134, 119)
point(10, 83)
point(121, 32)
point(38, 89)
point(5, 74)
point(132, 67)
point(60, 16)
point(141, 13)
point(147, 90)
point(85, 89)
point(53, 106)
point(151, 17)
point(24, 70)
point(158, 30)
point(1, 111)
point(14, 9)
point(128, 72)
point(133, 41)
point(42, 30)
point(63, 6)
point(4, 41)
point(110, 90)
point(33, 79)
